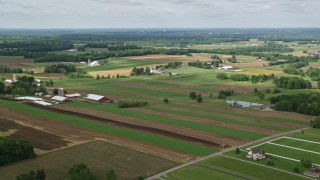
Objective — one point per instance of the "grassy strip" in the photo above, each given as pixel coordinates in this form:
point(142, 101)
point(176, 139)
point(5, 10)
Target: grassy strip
point(219, 118)
point(177, 122)
point(290, 153)
point(170, 143)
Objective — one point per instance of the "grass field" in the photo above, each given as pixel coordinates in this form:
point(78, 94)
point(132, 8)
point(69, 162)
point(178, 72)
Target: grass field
point(99, 156)
point(236, 167)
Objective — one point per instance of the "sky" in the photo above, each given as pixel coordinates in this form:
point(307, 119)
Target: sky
point(158, 13)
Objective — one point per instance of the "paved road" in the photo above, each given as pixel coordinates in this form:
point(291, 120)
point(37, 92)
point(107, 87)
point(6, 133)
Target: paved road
point(164, 173)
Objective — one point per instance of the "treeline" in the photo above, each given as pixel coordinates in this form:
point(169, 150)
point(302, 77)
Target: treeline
point(240, 77)
point(10, 70)
point(314, 73)
point(124, 104)
point(293, 68)
point(14, 150)
point(301, 103)
point(61, 68)
point(199, 64)
point(37, 45)
point(140, 71)
point(112, 47)
point(23, 86)
point(292, 83)
point(104, 55)
point(277, 59)
point(262, 78)
point(173, 65)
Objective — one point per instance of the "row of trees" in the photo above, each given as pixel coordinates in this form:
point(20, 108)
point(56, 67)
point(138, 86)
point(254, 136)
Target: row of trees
point(292, 83)
point(199, 64)
point(140, 71)
point(301, 103)
point(12, 150)
point(262, 78)
point(10, 70)
point(76, 172)
point(195, 96)
point(61, 68)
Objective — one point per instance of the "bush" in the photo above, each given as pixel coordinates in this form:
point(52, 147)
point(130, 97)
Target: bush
point(270, 162)
point(166, 100)
point(193, 95)
point(307, 163)
point(222, 76)
point(239, 77)
point(237, 150)
point(199, 98)
point(296, 170)
point(38, 175)
point(124, 104)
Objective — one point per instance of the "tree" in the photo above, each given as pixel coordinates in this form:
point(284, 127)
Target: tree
point(2, 88)
point(237, 150)
point(55, 91)
point(51, 83)
point(166, 100)
point(261, 95)
point(193, 95)
point(199, 98)
point(111, 175)
point(80, 172)
point(32, 175)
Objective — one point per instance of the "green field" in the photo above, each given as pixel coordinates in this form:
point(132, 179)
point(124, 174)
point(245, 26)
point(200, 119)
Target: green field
point(170, 143)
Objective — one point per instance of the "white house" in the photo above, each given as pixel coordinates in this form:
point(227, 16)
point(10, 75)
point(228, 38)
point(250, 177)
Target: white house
point(94, 63)
point(255, 154)
point(8, 81)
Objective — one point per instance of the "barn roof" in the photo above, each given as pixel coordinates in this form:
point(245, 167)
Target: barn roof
point(59, 98)
point(94, 97)
point(73, 95)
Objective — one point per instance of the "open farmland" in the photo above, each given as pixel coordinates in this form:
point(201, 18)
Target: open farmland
point(100, 156)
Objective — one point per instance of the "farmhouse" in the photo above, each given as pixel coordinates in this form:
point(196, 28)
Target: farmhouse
point(94, 63)
point(97, 98)
point(255, 154)
point(60, 99)
point(73, 95)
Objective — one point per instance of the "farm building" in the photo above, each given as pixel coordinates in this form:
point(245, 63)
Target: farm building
point(94, 63)
point(73, 95)
point(255, 154)
point(60, 99)
point(29, 98)
point(97, 98)
point(38, 94)
point(42, 103)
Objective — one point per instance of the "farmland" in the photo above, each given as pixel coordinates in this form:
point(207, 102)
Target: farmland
point(171, 127)
point(56, 163)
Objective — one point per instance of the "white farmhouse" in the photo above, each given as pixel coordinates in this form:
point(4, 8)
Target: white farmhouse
point(255, 154)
